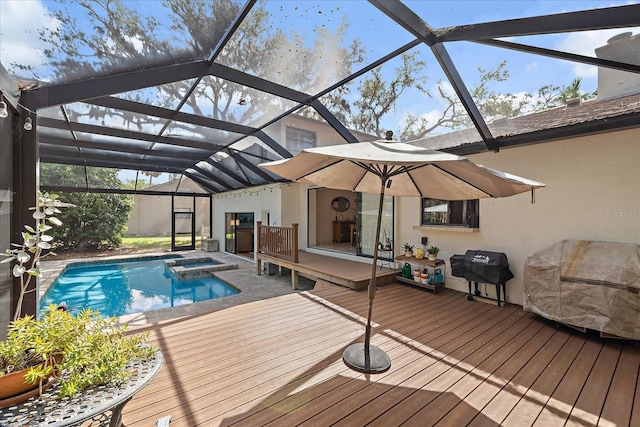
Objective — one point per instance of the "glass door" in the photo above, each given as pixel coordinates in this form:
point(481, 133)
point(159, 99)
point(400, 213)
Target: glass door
point(239, 233)
point(366, 222)
point(230, 232)
point(183, 227)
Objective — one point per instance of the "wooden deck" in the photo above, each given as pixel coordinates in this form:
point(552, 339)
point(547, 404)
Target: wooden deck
point(454, 362)
point(352, 274)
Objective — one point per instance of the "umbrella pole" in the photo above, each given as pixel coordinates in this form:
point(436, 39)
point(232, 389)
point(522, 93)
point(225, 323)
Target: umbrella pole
point(365, 357)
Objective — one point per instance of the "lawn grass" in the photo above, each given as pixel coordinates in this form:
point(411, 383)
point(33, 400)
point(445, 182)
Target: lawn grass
point(130, 245)
point(154, 242)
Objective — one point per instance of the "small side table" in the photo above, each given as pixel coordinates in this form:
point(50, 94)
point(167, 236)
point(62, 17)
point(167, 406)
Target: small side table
point(101, 404)
point(422, 263)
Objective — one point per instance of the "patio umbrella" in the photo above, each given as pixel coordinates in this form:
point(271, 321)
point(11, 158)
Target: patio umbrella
point(391, 168)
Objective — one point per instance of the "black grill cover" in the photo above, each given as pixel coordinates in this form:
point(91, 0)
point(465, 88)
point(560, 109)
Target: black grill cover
point(481, 266)
point(458, 268)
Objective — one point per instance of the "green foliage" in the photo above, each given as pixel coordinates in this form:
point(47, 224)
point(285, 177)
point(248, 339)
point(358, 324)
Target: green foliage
point(98, 222)
point(377, 97)
point(100, 219)
point(123, 36)
point(551, 96)
point(433, 250)
point(84, 350)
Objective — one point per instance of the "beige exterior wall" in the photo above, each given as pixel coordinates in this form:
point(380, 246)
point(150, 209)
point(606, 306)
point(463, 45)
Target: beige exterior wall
point(287, 203)
point(325, 134)
point(151, 215)
point(593, 193)
point(263, 199)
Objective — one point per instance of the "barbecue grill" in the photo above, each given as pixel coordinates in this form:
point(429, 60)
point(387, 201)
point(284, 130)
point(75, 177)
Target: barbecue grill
point(482, 267)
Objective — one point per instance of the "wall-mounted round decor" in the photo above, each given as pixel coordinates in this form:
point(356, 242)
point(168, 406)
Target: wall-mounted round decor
point(340, 204)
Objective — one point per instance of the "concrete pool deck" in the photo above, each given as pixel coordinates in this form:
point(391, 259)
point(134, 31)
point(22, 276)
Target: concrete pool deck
point(252, 287)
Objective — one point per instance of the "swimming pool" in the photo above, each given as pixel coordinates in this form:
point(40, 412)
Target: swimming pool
point(116, 288)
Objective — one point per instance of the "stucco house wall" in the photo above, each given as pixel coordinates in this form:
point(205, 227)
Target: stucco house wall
point(258, 200)
point(151, 215)
point(592, 193)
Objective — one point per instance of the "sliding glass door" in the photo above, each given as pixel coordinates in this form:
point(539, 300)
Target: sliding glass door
point(239, 233)
point(366, 222)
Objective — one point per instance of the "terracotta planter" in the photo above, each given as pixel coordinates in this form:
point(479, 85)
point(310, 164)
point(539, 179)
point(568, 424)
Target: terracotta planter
point(14, 384)
point(14, 389)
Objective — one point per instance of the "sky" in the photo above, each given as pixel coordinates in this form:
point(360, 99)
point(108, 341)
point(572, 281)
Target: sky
point(20, 19)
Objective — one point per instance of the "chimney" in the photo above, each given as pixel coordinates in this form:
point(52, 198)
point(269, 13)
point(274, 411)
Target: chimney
point(614, 83)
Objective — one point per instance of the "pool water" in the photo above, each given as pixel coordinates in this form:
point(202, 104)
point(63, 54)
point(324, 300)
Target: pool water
point(129, 286)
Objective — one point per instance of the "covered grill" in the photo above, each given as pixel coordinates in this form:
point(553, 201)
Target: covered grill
point(480, 266)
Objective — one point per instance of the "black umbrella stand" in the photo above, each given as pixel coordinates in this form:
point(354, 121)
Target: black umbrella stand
point(364, 357)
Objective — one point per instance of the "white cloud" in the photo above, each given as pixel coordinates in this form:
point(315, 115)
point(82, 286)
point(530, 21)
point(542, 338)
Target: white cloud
point(585, 71)
point(585, 43)
point(532, 67)
point(19, 24)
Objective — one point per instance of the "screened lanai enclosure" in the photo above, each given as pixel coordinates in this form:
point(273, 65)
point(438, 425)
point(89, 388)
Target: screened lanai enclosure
point(179, 98)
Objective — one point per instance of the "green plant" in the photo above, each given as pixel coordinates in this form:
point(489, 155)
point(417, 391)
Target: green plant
point(99, 220)
point(408, 247)
point(36, 243)
point(84, 349)
point(433, 250)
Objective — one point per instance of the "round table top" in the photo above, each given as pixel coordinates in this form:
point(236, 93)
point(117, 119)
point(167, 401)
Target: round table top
point(51, 411)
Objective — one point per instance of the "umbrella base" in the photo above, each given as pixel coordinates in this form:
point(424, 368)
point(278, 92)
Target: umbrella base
point(354, 357)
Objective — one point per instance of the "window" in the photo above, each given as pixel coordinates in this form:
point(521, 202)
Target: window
point(443, 212)
point(299, 139)
point(182, 213)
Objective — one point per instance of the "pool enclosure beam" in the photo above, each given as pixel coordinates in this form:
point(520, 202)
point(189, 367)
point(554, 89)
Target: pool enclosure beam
point(411, 22)
point(584, 20)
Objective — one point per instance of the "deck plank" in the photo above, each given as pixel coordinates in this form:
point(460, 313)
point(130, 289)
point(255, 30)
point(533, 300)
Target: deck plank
point(278, 362)
point(449, 385)
point(467, 342)
point(592, 397)
point(624, 385)
point(485, 385)
point(559, 406)
point(536, 397)
point(503, 402)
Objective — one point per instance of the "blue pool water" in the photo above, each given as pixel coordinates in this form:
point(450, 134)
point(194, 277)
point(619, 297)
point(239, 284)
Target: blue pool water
point(129, 286)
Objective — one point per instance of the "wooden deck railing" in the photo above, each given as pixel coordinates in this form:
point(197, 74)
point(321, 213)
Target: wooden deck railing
point(279, 242)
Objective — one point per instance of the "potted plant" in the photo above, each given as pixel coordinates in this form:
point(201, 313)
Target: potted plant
point(433, 252)
point(408, 250)
point(83, 350)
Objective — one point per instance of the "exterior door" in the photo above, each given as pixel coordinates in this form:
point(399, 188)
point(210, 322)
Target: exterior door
point(366, 222)
point(183, 227)
point(239, 238)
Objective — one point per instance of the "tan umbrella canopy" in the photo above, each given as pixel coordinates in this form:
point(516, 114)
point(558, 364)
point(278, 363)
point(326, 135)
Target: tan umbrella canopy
point(391, 168)
point(413, 171)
